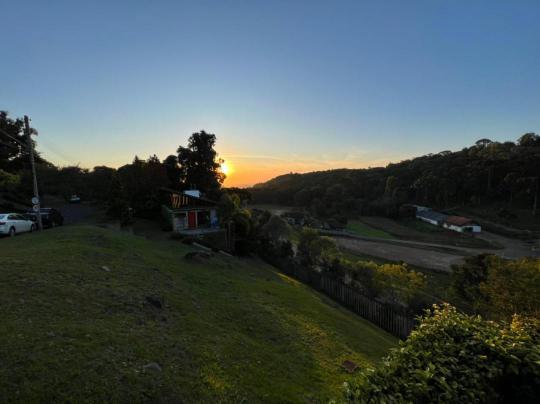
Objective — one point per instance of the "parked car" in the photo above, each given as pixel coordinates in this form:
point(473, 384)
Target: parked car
point(75, 199)
point(50, 217)
point(14, 223)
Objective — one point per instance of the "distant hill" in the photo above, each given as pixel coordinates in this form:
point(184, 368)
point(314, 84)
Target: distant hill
point(483, 173)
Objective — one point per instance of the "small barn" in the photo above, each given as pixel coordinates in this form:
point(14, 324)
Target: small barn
point(432, 217)
point(189, 213)
point(461, 224)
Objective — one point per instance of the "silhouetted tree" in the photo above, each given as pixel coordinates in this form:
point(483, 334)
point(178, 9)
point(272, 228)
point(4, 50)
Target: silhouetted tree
point(199, 164)
point(11, 133)
point(173, 171)
point(529, 140)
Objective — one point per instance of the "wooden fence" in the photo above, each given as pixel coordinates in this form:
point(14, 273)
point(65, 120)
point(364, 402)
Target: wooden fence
point(384, 316)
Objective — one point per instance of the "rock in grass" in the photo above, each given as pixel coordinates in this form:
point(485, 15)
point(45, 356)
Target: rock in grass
point(105, 268)
point(349, 366)
point(153, 366)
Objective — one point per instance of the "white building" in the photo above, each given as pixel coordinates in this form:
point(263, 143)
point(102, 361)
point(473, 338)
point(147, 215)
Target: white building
point(461, 224)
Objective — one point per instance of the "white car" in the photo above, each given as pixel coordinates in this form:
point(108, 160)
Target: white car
point(74, 199)
point(13, 223)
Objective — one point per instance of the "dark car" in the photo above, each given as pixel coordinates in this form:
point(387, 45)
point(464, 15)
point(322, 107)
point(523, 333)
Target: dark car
point(50, 217)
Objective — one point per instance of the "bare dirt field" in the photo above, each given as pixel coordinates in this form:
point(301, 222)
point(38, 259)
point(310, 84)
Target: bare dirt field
point(435, 256)
point(431, 259)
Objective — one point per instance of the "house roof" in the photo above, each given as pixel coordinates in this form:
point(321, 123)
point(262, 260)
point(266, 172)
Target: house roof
point(180, 201)
point(432, 215)
point(458, 220)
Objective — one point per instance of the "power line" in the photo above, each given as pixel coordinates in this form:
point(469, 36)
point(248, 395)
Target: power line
point(58, 151)
point(13, 138)
point(48, 145)
point(9, 145)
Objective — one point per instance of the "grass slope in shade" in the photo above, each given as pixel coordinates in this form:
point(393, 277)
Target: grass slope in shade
point(362, 229)
point(229, 329)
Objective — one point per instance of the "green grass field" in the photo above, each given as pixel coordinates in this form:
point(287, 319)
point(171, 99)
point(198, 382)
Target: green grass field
point(228, 329)
point(362, 229)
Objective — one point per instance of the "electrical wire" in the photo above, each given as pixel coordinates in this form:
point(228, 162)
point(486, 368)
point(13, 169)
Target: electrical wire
point(13, 138)
point(9, 145)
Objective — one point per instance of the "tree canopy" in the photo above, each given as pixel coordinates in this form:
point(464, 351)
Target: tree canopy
point(486, 172)
point(498, 288)
point(199, 165)
point(13, 150)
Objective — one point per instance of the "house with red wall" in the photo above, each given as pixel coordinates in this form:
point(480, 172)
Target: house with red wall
point(190, 213)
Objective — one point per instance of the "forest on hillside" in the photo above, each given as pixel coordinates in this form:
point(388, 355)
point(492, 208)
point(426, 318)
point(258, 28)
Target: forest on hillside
point(484, 173)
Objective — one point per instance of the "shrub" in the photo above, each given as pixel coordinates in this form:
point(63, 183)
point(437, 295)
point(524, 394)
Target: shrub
point(315, 250)
point(497, 287)
point(512, 287)
point(455, 358)
point(466, 279)
point(276, 229)
point(398, 283)
point(286, 250)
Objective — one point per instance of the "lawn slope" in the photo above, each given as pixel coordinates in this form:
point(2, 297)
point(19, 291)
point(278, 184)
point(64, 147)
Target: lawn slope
point(91, 315)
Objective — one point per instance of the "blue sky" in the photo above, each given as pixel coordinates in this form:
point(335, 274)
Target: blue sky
point(285, 85)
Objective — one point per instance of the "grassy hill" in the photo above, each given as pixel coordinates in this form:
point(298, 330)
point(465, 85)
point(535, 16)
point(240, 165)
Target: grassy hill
point(90, 314)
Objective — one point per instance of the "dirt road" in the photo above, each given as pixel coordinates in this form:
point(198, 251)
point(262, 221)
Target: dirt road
point(434, 256)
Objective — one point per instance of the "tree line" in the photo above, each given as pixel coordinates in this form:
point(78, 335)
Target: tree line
point(135, 186)
point(485, 172)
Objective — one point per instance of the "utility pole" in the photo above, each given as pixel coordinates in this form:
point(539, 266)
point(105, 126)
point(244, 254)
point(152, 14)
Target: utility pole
point(36, 205)
point(535, 203)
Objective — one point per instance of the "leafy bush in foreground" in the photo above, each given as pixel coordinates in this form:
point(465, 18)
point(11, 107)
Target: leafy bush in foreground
point(452, 358)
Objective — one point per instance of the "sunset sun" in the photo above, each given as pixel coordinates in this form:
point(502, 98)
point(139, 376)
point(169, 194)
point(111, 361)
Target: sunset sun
point(226, 168)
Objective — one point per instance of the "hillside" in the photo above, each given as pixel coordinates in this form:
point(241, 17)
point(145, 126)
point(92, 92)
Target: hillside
point(91, 314)
point(501, 175)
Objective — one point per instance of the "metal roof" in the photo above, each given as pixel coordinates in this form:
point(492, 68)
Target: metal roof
point(432, 215)
point(458, 220)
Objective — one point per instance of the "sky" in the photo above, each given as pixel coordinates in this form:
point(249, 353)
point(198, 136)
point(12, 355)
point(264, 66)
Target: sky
point(286, 86)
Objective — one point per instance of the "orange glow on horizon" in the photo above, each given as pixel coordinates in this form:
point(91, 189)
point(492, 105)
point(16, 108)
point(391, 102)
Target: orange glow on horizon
point(248, 171)
point(249, 175)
